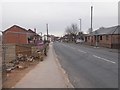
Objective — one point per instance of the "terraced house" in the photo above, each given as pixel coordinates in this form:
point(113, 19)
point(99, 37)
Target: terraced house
point(105, 37)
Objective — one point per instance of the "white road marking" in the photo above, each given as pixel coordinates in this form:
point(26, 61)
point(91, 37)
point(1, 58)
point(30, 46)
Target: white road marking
point(93, 55)
point(81, 51)
point(104, 59)
point(74, 48)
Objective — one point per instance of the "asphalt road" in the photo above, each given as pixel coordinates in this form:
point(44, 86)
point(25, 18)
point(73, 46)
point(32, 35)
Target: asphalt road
point(88, 67)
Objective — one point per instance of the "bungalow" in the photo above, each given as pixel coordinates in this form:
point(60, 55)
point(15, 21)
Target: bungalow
point(105, 37)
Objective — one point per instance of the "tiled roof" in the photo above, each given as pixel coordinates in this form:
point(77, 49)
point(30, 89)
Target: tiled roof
point(110, 30)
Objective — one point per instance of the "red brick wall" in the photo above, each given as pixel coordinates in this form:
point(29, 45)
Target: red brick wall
point(106, 41)
point(23, 49)
point(115, 41)
point(15, 35)
point(110, 41)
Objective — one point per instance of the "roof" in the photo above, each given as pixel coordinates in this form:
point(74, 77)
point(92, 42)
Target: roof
point(30, 31)
point(23, 29)
point(17, 27)
point(110, 30)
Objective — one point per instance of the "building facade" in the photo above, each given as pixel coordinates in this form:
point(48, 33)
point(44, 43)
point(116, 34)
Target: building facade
point(105, 37)
point(19, 35)
point(15, 35)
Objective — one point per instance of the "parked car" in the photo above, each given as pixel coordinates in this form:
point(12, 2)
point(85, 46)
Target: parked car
point(79, 41)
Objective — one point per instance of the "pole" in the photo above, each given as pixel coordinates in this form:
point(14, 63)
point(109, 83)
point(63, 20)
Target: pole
point(80, 28)
point(91, 17)
point(80, 24)
point(47, 31)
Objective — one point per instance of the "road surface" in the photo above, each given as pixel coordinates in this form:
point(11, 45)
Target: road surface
point(88, 67)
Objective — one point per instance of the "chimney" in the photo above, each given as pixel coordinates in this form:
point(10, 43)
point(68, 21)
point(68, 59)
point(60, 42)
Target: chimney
point(35, 30)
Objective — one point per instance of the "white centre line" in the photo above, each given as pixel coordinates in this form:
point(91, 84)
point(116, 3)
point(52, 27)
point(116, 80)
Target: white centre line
point(104, 59)
point(81, 51)
point(75, 48)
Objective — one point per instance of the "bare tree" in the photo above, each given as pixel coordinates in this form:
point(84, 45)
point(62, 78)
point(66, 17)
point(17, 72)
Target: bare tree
point(72, 31)
point(68, 30)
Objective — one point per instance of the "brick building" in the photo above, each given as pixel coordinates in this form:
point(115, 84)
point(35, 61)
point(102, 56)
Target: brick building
point(105, 37)
point(33, 37)
point(19, 35)
point(15, 35)
point(16, 41)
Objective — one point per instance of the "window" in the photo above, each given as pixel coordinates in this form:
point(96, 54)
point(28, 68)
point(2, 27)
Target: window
point(107, 37)
point(100, 37)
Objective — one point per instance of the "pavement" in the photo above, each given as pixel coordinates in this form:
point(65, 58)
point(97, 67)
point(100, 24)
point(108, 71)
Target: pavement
point(47, 74)
point(88, 67)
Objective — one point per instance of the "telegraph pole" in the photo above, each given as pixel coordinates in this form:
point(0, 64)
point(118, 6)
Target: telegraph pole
point(47, 31)
point(80, 32)
point(91, 17)
point(80, 24)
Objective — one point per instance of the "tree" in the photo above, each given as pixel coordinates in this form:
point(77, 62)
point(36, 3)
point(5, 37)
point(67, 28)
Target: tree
point(73, 29)
point(72, 32)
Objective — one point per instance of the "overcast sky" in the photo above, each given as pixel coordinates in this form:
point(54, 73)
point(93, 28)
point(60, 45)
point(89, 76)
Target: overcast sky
point(58, 15)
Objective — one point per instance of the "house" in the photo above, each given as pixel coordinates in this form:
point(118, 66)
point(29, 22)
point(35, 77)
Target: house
point(105, 37)
point(15, 35)
point(19, 35)
point(16, 41)
point(33, 37)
